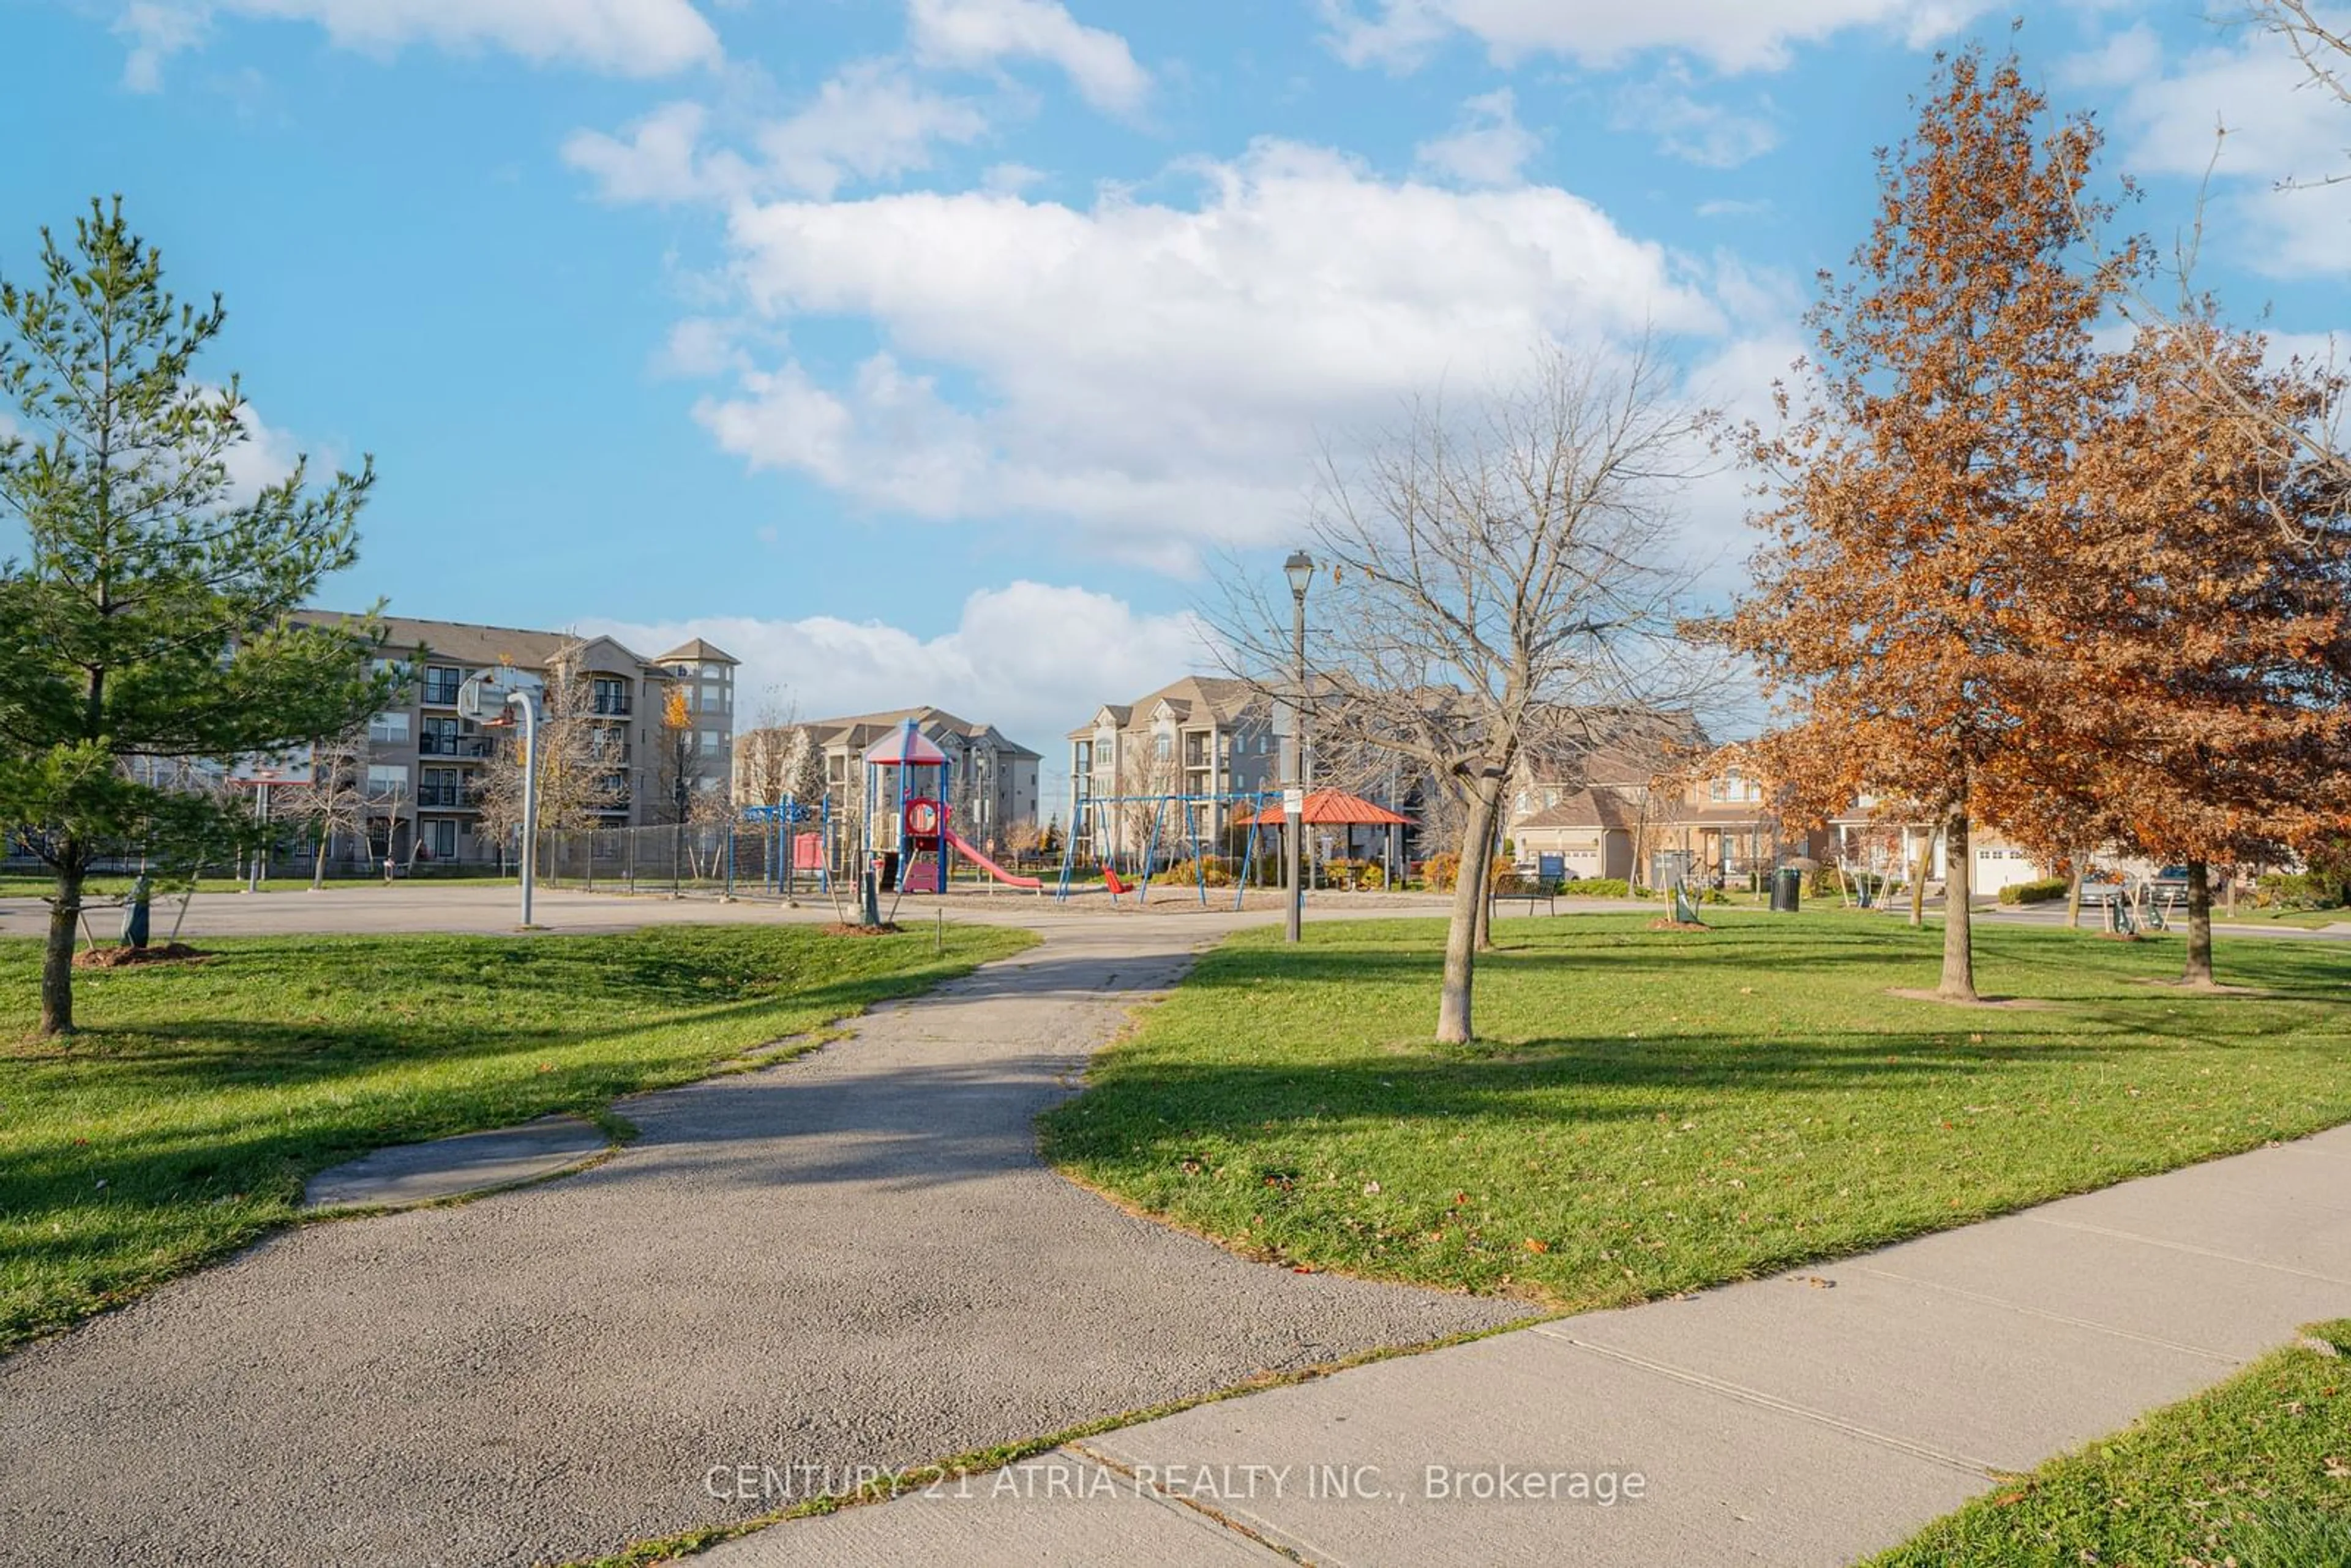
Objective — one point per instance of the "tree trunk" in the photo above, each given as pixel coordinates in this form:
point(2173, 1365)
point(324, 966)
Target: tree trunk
point(2199, 926)
point(56, 959)
point(1453, 1014)
point(1958, 952)
point(2073, 897)
point(1484, 933)
point(1918, 883)
point(318, 861)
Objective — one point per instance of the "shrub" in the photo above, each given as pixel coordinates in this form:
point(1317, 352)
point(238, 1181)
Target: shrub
point(1219, 873)
point(2037, 892)
point(1597, 887)
point(1441, 872)
point(2294, 890)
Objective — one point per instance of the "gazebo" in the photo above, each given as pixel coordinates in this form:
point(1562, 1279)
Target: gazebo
point(1327, 809)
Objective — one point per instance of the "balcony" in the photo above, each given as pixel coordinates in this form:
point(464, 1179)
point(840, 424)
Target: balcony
point(472, 746)
point(445, 797)
point(440, 693)
point(612, 707)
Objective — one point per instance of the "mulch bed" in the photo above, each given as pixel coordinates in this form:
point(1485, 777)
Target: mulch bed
point(887, 928)
point(1677, 925)
point(125, 957)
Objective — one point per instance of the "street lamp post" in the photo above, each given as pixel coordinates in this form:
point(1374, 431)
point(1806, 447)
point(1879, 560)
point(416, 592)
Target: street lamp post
point(1300, 570)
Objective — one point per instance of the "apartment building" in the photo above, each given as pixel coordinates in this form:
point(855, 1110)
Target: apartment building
point(424, 764)
point(991, 778)
point(1200, 736)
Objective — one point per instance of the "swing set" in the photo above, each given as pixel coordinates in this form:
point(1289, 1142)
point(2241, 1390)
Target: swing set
point(1093, 821)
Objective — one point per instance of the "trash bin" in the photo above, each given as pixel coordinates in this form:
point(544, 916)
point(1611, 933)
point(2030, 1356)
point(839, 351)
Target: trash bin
point(134, 912)
point(1787, 889)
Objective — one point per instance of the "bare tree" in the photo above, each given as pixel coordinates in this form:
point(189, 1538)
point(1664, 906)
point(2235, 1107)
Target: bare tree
point(334, 802)
point(579, 756)
point(1493, 583)
point(763, 753)
point(1143, 771)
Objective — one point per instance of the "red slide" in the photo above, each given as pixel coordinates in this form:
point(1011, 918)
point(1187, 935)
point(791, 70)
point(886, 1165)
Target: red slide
point(989, 866)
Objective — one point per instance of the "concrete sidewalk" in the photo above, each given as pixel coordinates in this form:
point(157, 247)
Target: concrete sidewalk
point(1807, 1419)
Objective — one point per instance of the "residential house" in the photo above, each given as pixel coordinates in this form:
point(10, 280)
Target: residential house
point(1651, 802)
point(1889, 844)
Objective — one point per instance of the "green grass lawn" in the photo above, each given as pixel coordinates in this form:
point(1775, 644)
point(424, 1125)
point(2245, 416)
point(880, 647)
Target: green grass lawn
point(2310, 919)
point(1654, 1111)
point(182, 1123)
point(2255, 1473)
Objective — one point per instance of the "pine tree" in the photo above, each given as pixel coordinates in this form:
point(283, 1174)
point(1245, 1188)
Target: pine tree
point(152, 613)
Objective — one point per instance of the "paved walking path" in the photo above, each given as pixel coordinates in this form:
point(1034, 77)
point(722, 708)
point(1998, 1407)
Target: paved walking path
point(851, 1259)
point(1807, 1419)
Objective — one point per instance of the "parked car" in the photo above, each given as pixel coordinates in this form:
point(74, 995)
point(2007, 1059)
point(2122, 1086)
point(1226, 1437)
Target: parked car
point(2170, 879)
point(2104, 887)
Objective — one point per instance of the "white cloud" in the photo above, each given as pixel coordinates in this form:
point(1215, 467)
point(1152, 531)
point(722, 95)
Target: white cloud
point(2130, 55)
point(976, 34)
point(659, 159)
point(1735, 207)
point(1487, 146)
point(700, 346)
point(1157, 375)
point(2279, 127)
point(1033, 659)
point(1686, 128)
point(1731, 35)
point(156, 32)
point(625, 38)
point(266, 456)
point(869, 121)
point(1011, 179)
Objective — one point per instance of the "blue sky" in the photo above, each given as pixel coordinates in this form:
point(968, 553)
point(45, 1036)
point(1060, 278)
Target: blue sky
point(925, 352)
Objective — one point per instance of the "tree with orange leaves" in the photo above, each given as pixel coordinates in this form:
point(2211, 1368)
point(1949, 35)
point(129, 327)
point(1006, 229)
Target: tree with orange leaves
point(2195, 676)
point(1914, 503)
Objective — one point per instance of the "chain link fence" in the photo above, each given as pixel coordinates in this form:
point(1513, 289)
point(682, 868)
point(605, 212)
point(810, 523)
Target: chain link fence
point(728, 857)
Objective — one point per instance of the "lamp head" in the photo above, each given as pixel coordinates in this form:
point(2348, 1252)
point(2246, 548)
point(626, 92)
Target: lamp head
point(1300, 570)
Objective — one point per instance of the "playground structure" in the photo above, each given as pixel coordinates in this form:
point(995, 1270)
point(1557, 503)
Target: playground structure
point(907, 839)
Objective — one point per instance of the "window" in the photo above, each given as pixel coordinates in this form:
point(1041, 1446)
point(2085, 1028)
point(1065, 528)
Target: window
point(709, 740)
point(386, 779)
point(1163, 747)
point(389, 729)
point(713, 699)
point(611, 696)
point(714, 671)
point(441, 837)
point(441, 684)
point(440, 738)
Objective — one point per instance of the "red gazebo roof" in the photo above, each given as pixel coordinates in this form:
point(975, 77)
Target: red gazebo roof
point(1329, 808)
